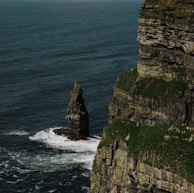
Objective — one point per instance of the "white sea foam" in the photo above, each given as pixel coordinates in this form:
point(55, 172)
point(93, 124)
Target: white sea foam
point(81, 151)
point(51, 191)
point(85, 188)
point(17, 132)
point(51, 139)
point(73, 152)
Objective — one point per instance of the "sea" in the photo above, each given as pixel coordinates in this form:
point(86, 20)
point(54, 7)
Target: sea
point(45, 46)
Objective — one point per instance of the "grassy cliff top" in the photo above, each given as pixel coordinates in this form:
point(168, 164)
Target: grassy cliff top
point(150, 87)
point(170, 146)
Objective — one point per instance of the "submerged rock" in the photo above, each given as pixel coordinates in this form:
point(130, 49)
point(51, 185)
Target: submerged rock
point(77, 115)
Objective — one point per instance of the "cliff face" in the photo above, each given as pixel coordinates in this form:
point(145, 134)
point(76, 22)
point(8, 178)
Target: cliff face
point(148, 146)
point(135, 158)
point(161, 91)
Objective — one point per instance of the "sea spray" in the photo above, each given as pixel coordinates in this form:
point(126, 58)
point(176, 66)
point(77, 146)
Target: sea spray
point(81, 151)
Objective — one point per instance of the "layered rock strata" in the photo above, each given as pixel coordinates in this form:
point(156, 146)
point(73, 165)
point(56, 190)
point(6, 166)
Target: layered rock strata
point(77, 115)
point(154, 152)
point(162, 90)
point(115, 171)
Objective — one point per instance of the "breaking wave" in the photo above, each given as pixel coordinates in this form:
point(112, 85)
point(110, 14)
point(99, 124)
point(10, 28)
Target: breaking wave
point(81, 151)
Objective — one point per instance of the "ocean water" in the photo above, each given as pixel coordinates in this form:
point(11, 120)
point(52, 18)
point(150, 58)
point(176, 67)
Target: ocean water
point(44, 47)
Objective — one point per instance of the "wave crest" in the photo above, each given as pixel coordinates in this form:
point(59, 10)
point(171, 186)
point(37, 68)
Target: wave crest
point(81, 151)
point(49, 138)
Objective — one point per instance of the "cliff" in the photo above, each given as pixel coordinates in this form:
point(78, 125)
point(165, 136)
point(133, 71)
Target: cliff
point(148, 144)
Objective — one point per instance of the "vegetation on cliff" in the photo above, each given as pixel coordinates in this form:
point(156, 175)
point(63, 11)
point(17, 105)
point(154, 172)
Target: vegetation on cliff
point(150, 87)
point(170, 11)
point(127, 80)
point(168, 147)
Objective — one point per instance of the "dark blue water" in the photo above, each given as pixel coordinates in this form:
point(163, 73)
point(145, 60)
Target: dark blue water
point(44, 47)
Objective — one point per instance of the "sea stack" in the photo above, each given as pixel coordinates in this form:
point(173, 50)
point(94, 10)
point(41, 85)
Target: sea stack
point(77, 115)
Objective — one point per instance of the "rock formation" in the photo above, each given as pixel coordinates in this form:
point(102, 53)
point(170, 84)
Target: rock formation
point(77, 115)
point(148, 144)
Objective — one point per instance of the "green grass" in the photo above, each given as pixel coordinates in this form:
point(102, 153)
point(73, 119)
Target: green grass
point(127, 80)
point(156, 87)
point(180, 71)
point(150, 87)
point(170, 143)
